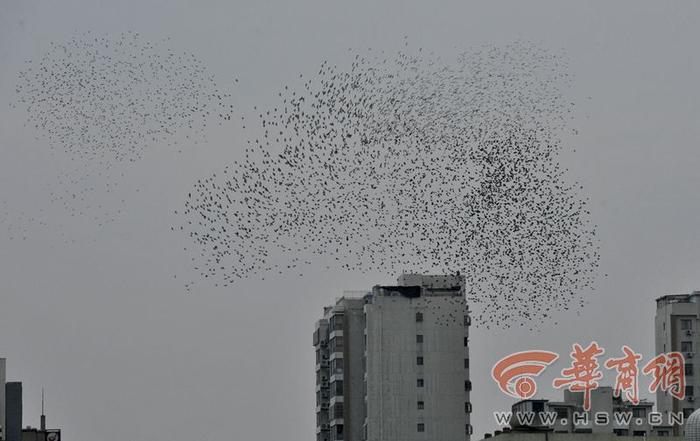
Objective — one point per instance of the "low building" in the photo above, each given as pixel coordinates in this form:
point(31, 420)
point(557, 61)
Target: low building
point(11, 403)
point(555, 436)
point(568, 416)
point(34, 434)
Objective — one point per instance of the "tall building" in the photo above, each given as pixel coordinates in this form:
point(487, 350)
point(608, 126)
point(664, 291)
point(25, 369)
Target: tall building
point(393, 364)
point(676, 330)
point(3, 429)
point(13, 411)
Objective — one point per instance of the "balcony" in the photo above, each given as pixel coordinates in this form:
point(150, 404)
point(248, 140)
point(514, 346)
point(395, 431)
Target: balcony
point(322, 428)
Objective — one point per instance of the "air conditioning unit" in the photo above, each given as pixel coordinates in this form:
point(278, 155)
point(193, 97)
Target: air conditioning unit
point(688, 332)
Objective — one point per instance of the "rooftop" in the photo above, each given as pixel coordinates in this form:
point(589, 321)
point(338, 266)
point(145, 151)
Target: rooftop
point(679, 298)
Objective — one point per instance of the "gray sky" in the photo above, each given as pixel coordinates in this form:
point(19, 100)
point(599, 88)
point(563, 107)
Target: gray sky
point(125, 353)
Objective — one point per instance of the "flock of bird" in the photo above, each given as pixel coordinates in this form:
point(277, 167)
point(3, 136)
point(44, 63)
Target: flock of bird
point(411, 163)
point(405, 162)
point(18, 224)
point(102, 101)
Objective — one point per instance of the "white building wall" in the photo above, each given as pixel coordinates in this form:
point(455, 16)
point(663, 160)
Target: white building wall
point(670, 337)
point(393, 372)
point(354, 396)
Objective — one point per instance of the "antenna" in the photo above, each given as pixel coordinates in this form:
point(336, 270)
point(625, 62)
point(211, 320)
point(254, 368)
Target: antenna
point(43, 416)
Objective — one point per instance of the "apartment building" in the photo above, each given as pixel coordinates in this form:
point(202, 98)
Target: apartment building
point(676, 330)
point(392, 364)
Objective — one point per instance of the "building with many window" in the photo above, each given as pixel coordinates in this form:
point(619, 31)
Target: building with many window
point(555, 436)
point(569, 416)
point(676, 330)
point(392, 364)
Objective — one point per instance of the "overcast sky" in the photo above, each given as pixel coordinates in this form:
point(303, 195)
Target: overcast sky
point(96, 315)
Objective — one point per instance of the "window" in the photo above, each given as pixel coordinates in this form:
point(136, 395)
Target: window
point(421, 427)
point(639, 433)
point(662, 433)
point(337, 366)
point(689, 392)
point(420, 382)
point(467, 320)
point(467, 385)
point(686, 324)
point(337, 410)
point(419, 316)
point(419, 361)
point(419, 338)
point(421, 405)
point(639, 412)
point(562, 413)
point(686, 346)
point(466, 341)
point(688, 369)
point(336, 322)
point(467, 407)
point(338, 387)
point(468, 429)
point(466, 363)
point(336, 344)
point(339, 432)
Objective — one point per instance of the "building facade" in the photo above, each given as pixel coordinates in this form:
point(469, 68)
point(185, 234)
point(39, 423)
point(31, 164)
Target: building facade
point(548, 436)
point(676, 330)
point(34, 434)
point(393, 364)
point(13, 411)
point(3, 377)
point(632, 420)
